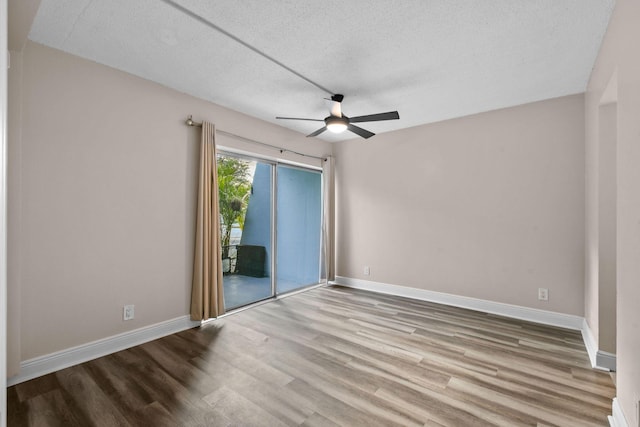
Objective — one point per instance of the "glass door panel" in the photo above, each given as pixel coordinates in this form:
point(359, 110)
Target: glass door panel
point(298, 225)
point(245, 200)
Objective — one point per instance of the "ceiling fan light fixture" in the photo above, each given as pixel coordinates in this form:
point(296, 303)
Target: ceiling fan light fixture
point(336, 124)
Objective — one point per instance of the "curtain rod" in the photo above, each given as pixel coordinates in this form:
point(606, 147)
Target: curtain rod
point(190, 122)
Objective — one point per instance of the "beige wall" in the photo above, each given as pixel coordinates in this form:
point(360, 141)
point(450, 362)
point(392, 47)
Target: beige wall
point(489, 206)
point(486, 206)
point(592, 306)
point(607, 227)
point(106, 191)
point(14, 221)
point(618, 58)
point(20, 16)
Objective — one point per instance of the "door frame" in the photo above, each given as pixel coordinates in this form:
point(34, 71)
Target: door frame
point(4, 52)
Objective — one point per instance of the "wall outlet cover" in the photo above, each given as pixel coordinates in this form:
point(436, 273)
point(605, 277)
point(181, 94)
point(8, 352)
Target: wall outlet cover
point(128, 312)
point(543, 294)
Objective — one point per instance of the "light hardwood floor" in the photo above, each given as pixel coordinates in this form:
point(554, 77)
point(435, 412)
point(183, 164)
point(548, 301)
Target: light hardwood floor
point(333, 356)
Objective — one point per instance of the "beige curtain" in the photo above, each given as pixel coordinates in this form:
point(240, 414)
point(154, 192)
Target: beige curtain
point(207, 297)
point(328, 221)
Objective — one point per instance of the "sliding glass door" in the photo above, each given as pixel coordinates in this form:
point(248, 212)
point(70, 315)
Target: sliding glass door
point(245, 191)
point(270, 228)
point(299, 211)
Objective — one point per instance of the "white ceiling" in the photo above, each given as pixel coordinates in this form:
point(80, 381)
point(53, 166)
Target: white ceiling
point(430, 60)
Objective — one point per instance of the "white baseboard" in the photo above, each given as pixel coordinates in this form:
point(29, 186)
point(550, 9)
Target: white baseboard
point(617, 419)
point(43, 365)
point(599, 359)
point(567, 321)
point(605, 360)
point(589, 342)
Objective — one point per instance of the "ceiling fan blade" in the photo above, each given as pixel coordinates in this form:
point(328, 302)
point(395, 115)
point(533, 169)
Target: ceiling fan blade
point(359, 131)
point(391, 115)
point(299, 118)
point(318, 132)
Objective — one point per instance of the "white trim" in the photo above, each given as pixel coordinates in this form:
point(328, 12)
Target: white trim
point(46, 364)
point(562, 320)
point(264, 301)
point(605, 360)
point(4, 105)
point(589, 342)
point(599, 359)
point(265, 158)
point(617, 419)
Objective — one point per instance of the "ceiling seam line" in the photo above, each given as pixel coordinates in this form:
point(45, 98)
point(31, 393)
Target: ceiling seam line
point(242, 42)
point(75, 22)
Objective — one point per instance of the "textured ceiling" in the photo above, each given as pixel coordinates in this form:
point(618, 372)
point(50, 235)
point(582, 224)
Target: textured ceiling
point(430, 60)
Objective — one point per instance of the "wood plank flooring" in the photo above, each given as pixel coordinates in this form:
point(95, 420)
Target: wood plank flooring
point(332, 356)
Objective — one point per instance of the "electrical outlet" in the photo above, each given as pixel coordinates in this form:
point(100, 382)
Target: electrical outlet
point(543, 294)
point(128, 312)
point(367, 270)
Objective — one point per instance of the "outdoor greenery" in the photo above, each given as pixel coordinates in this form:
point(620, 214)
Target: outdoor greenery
point(234, 189)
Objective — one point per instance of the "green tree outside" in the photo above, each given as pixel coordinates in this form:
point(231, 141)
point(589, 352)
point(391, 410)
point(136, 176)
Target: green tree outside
point(234, 189)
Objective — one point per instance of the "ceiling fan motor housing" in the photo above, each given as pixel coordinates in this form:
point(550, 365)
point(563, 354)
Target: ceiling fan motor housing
point(336, 124)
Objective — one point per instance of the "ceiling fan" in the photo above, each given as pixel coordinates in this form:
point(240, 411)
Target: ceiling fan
point(337, 122)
